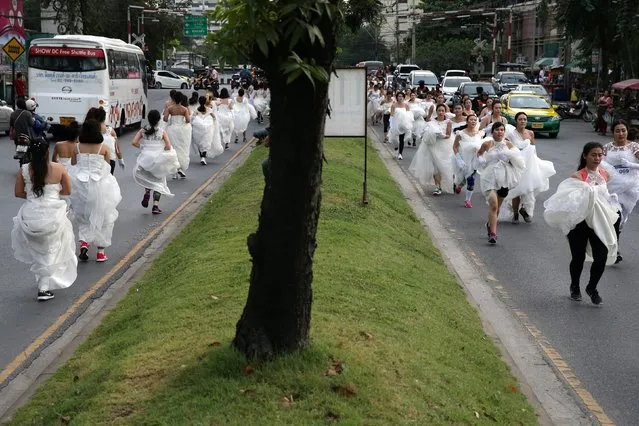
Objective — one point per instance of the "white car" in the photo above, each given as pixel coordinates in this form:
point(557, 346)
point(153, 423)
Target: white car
point(5, 114)
point(450, 86)
point(428, 77)
point(455, 73)
point(537, 89)
point(169, 80)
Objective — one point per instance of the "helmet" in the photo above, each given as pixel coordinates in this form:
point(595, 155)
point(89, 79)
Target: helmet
point(206, 67)
point(31, 105)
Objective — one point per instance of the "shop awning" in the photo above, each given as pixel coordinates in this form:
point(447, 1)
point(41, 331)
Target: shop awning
point(632, 84)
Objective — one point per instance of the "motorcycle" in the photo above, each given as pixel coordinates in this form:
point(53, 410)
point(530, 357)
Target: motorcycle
point(22, 149)
point(580, 110)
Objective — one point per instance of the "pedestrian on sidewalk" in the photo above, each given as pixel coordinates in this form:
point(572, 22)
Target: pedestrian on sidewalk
point(96, 193)
point(20, 85)
point(604, 110)
point(584, 210)
point(156, 161)
point(500, 168)
point(42, 234)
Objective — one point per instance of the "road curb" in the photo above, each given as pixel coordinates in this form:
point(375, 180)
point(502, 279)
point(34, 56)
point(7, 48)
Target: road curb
point(20, 388)
point(552, 397)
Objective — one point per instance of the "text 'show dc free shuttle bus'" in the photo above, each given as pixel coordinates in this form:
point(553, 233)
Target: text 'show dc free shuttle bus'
point(68, 74)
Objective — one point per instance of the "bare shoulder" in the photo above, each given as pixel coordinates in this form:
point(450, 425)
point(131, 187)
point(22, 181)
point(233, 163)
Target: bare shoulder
point(577, 175)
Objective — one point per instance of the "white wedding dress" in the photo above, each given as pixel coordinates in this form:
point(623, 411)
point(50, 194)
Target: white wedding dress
point(624, 181)
point(154, 164)
point(503, 167)
point(468, 147)
point(95, 196)
point(576, 201)
point(533, 181)
point(225, 122)
point(179, 132)
point(243, 112)
point(42, 236)
point(433, 156)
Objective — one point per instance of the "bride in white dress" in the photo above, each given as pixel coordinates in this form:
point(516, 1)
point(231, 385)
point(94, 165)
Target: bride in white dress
point(431, 164)
point(224, 117)
point(206, 136)
point(467, 143)
point(42, 234)
point(179, 131)
point(243, 113)
point(96, 193)
point(500, 168)
point(156, 161)
point(535, 180)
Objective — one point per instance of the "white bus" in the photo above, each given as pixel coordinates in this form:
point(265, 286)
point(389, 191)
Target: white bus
point(68, 74)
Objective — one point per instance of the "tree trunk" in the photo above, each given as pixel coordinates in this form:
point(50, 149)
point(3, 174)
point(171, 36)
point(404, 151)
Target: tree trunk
point(277, 315)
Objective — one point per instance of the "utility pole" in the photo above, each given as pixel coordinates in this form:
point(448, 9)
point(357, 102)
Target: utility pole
point(413, 54)
point(397, 29)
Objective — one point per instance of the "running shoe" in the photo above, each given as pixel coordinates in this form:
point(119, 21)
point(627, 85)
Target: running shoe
point(399, 157)
point(181, 174)
point(156, 210)
point(515, 218)
point(84, 248)
point(575, 294)
point(101, 257)
point(492, 239)
point(594, 296)
point(458, 189)
point(43, 296)
point(468, 205)
point(437, 191)
point(525, 215)
point(145, 199)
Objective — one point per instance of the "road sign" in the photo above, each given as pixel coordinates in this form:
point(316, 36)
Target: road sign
point(196, 26)
point(14, 49)
point(158, 64)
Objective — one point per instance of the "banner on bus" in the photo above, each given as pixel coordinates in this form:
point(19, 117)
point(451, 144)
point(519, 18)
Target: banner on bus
point(66, 51)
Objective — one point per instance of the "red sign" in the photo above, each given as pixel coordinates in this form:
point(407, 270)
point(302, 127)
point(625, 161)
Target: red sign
point(66, 51)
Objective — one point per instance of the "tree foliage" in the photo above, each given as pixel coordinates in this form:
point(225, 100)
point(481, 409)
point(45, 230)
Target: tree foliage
point(363, 45)
point(609, 25)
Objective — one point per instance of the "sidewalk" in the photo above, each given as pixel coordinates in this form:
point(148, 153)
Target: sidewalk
point(394, 340)
point(543, 380)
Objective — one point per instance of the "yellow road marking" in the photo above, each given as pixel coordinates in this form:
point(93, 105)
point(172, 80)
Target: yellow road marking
point(24, 355)
point(562, 366)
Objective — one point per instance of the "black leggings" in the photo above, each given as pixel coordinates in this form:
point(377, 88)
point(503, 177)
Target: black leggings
point(401, 143)
point(386, 120)
point(578, 239)
point(112, 162)
point(156, 195)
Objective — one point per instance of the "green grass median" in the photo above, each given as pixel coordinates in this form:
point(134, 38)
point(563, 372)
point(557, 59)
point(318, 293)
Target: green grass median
point(394, 340)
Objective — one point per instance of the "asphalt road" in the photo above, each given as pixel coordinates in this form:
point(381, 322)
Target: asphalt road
point(530, 261)
point(22, 318)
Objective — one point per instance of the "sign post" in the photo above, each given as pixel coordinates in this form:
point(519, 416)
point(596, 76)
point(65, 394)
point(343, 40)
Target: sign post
point(347, 104)
point(13, 49)
point(196, 26)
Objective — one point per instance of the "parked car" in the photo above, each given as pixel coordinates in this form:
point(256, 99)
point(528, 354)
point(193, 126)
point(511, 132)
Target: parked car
point(450, 86)
point(470, 88)
point(505, 81)
point(542, 117)
point(165, 79)
point(5, 114)
point(454, 73)
point(403, 71)
point(428, 77)
point(187, 74)
point(537, 89)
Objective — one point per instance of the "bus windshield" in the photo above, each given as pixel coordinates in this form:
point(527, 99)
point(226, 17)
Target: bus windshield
point(66, 59)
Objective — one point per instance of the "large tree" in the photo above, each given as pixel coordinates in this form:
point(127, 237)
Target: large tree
point(295, 43)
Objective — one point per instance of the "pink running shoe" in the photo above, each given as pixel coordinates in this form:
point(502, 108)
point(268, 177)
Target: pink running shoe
point(101, 257)
point(468, 205)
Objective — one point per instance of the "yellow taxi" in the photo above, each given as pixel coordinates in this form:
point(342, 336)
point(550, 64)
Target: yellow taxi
point(542, 117)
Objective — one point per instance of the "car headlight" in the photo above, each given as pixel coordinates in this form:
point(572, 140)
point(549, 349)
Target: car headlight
point(555, 118)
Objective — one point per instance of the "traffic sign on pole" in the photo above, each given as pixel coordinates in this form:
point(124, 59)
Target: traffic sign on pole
point(196, 26)
point(14, 49)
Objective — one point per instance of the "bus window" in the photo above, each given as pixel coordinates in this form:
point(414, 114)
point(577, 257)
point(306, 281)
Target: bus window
point(134, 66)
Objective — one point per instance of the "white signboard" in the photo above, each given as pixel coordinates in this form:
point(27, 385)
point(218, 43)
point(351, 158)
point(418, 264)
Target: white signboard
point(347, 103)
